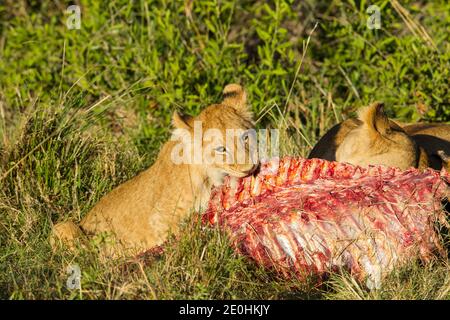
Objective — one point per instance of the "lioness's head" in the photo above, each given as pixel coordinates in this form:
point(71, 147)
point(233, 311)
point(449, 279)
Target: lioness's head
point(378, 141)
point(221, 138)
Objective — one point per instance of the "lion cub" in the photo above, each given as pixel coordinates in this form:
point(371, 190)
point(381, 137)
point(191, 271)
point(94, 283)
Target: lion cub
point(141, 212)
point(370, 139)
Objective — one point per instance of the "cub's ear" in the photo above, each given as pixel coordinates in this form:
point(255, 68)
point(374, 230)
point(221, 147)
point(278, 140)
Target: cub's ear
point(236, 97)
point(375, 119)
point(181, 122)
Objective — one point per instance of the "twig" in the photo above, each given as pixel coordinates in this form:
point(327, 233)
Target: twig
point(305, 49)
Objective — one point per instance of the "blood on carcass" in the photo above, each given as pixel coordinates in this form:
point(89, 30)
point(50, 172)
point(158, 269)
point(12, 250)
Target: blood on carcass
point(315, 217)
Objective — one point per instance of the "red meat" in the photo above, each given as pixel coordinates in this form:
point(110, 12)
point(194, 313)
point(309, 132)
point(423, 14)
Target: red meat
point(301, 216)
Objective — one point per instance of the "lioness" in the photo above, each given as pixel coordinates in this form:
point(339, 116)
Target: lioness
point(370, 139)
point(374, 139)
point(434, 138)
point(142, 211)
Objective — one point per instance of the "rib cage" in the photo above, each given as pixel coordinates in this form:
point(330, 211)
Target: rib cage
point(303, 217)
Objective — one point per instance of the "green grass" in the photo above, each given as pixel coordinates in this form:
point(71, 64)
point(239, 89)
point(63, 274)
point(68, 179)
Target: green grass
point(83, 110)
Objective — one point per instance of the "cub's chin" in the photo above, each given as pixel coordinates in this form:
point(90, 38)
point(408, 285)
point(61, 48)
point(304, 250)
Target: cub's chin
point(241, 174)
point(217, 175)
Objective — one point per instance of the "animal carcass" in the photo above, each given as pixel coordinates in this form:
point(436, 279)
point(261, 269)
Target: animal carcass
point(301, 217)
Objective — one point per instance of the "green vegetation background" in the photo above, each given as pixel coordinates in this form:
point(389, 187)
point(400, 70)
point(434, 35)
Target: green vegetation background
point(83, 110)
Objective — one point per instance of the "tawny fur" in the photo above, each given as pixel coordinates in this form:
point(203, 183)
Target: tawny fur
point(330, 141)
point(432, 137)
point(371, 139)
point(428, 137)
point(141, 212)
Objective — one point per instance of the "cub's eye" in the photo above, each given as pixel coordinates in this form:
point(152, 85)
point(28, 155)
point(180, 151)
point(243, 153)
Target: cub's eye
point(245, 137)
point(221, 149)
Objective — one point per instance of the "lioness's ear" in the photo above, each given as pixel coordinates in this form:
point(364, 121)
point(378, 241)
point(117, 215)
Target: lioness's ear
point(180, 122)
point(236, 97)
point(375, 118)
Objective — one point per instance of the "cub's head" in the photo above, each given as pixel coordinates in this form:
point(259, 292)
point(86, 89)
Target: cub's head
point(377, 140)
point(221, 139)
